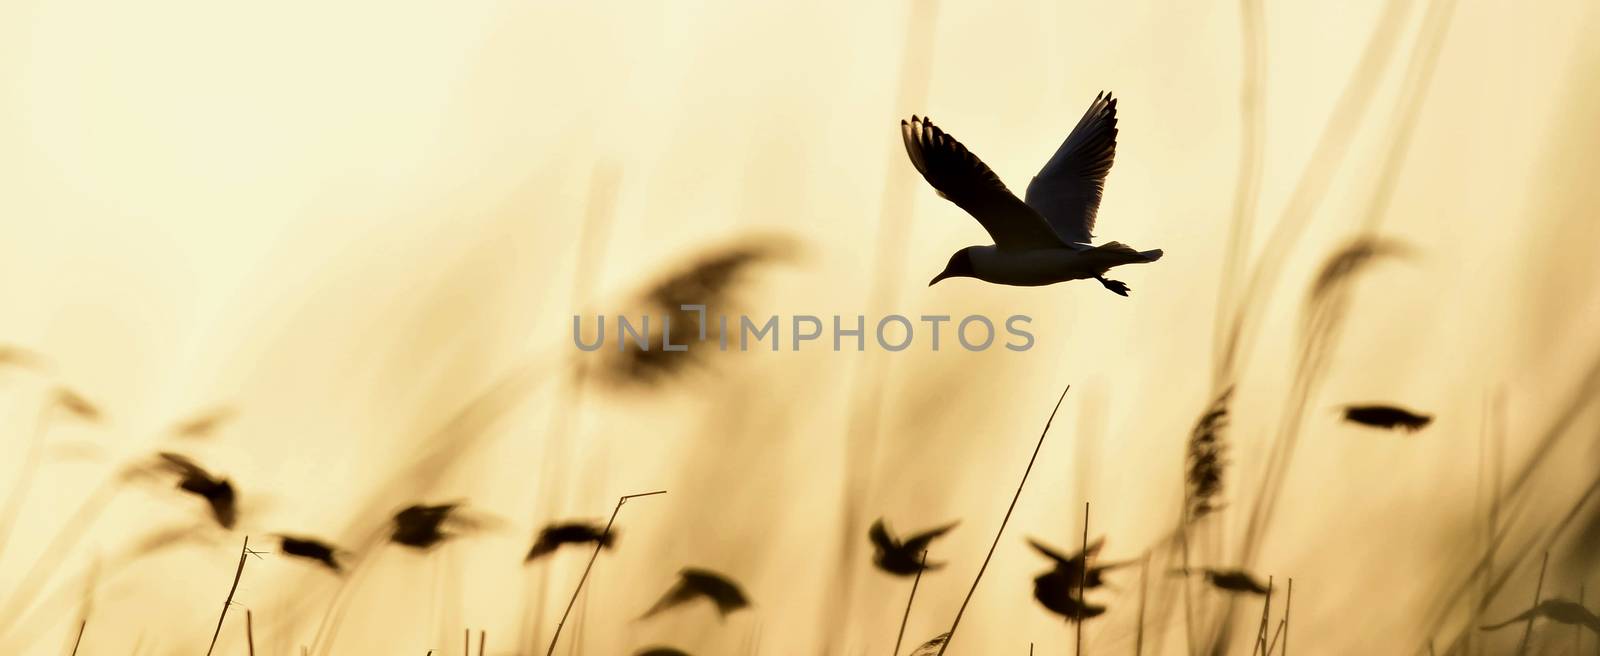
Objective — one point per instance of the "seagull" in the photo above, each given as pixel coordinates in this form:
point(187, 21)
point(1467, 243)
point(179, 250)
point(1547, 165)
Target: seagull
point(1387, 417)
point(694, 583)
point(903, 558)
point(1058, 588)
point(1230, 580)
point(311, 549)
point(420, 526)
point(556, 535)
point(1045, 239)
point(217, 492)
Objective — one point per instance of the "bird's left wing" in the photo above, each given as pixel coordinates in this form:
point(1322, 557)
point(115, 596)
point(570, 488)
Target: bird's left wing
point(1067, 190)
point(963, 179)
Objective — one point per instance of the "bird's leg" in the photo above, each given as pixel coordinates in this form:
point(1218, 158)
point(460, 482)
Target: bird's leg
point(1116, 286)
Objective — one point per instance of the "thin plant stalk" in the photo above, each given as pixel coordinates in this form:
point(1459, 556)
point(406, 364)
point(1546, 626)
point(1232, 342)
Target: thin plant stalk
point(1144, 589)
point(1083, 580)
point(1288, 601)
point(985, 566)
point(600, 544)
point(1266, 621)
point(907, 616)
point(79, 641)
point(244, 552)
point(1274, 644)
point(1538, 589)
point(594, 241)
point(868, 381)
point(482, 636)
point(1577, 630)
point(250, 631)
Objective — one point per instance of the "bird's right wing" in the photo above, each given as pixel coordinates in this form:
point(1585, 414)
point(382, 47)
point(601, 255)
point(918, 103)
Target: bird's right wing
point(920, 541)
point(1067, 190)
point(965, 180)
point(1052, 554)
point(679, 593)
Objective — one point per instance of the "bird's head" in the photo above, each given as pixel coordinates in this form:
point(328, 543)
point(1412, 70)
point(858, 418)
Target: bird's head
point(960, 266)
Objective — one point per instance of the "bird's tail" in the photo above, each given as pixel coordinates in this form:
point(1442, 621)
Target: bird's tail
point(1116, 253)
point(1126, 251)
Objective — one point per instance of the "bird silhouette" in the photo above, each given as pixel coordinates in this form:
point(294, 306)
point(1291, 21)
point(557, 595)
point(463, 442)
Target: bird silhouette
point(311, 549)
point(694, 583)
point(903, 558)
point(1047, 238)
point(1557, 610)
point(217, 492)
point(421, 526)
point(1386, 417)
point(76, 405)
point(202, 425)
point(1058, 588)
point(555, 536)
point(1230, 580)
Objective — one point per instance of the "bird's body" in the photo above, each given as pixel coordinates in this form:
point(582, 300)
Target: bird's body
point(1057, 590)
point(1061, 589)
point(554, 536)
point(1047, 238)
point(422, 526)
point(1228, 580)
point(903, 558)
point(1048, 266)
point(694, 583)
point(217, 492)
point(1386, 417)
point(311, 549)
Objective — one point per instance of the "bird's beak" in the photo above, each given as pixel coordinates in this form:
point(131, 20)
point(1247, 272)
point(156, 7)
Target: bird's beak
point(942, 275)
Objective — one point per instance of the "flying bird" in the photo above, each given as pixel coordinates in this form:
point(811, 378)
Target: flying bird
point(1058, 588)
point(76, 405)
point(1231, 580)
point(311, 549)
point(694, 583)
point(903, 558)
point(555, 536)
point(217, 492)
point(1045, 239)
point(1386, 417)
point(421, 526)
point(1556, 610)
point(202, 425)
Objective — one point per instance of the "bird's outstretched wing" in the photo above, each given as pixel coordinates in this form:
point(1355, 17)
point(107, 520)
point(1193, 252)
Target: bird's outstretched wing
point(965, 180)
point(920, 541)
point(879, 534)
point(696, 583)
point(1074, 559)
point(1067, 190)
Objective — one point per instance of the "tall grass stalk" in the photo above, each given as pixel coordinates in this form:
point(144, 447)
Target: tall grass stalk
point(867, 380)
point(244, 552)
point(84, 624)
point(599, 544)
point(1001, 531)
point(1083, 580)
point(1538, 590)
point(594, 240)
point(899, 637)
